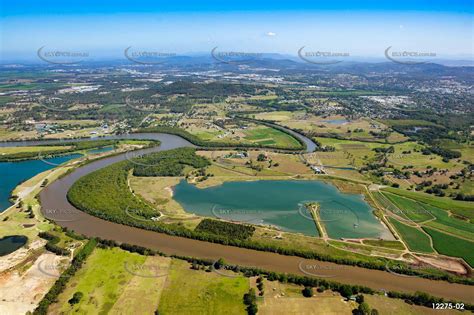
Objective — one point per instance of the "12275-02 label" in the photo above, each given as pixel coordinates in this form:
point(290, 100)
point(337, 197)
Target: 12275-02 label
point(448, 306)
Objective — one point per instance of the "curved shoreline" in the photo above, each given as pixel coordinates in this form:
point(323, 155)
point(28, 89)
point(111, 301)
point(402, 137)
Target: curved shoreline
point(54, 197)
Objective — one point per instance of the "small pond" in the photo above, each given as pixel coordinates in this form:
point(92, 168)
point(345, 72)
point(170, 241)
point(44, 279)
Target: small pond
point(11, 243)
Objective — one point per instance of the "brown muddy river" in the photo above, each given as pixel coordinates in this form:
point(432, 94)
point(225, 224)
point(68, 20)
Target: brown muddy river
point(56, 207)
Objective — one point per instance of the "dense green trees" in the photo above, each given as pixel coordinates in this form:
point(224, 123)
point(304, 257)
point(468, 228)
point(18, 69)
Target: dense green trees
point(250, 300)
point(168, 163)
point(226, 229)
point(76, 298)
point(307, 292)
point(51, 244)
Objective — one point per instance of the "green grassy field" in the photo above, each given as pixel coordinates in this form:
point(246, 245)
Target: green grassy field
point(270, 136)
point(348, 152)
point(415, 239)
point(189, 291)
point(14, 150)
point(452, 246)
point(275, 116)
point(383, 243)
point(102, 280)
point(416, 158)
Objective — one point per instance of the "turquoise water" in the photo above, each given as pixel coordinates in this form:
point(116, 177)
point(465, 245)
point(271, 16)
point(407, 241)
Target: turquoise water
point(13, 173)
point(279, 203)
point(9, 244)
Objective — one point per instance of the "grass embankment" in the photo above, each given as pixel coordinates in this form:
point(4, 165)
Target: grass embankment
point(385, 244)
point(313, 209)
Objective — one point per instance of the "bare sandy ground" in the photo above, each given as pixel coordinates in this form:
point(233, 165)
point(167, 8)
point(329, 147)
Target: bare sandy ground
point(21, 292)
point(18, 256)
point(445, 263)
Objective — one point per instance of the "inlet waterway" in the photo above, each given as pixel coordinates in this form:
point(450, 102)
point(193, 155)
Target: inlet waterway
point(14, 173)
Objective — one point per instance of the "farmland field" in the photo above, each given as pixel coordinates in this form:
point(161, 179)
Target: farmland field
point(397, 306)
point(189, 291)
point(411, 209)
point(425, 214)
point(450, 224)
point(452, 246)
point(270, 136)
point(455, 206)
point(110, 275)
point(284, 298)
point(414, 238)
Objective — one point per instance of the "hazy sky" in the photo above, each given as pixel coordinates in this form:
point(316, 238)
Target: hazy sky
point(361, 28)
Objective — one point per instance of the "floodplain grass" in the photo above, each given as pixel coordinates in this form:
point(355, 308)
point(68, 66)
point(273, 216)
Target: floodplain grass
point(415, 157)
point(348, 152)
point(286, 298)
point(271, 137)
point(452, 246)
point(384, 243)
point(147, 290)
point(275, 116)
point(365, 249)
point(189, 291)
point(36, 149)
point(415, 239)
point(102, 280)
point(385, 305)
point(387, 204)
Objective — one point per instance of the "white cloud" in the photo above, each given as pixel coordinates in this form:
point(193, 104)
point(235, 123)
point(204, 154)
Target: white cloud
point(271, 34)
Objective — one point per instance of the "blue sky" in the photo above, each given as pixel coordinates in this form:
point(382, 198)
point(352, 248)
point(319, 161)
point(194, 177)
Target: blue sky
point(362, 28)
